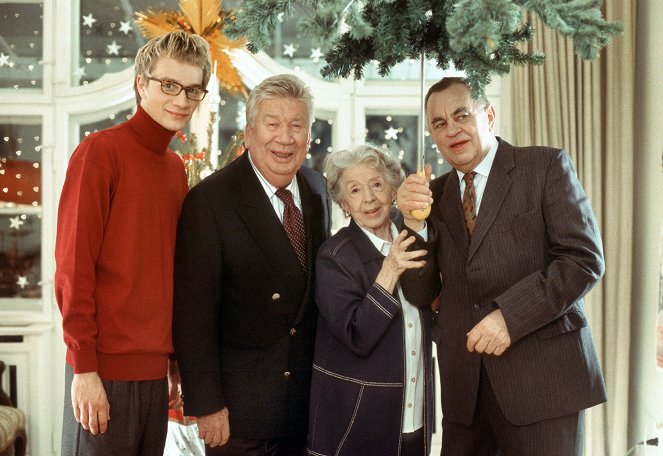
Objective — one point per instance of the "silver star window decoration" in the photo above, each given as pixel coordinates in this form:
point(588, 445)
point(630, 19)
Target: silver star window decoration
point(88, 20)
point(113, 48)
point(391, 133)
point(22, 281)
point(4, 60)
point(79, 73)
point(125, 27)
point(289, 50)
point(316, 55)
point(15, 223)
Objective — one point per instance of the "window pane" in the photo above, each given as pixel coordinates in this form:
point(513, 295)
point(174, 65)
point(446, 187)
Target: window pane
point(21, 45)
point(321, 143)
point(399, 134)
point(230, 120)
point(20, 208)
point(20, 254)
point(20, 164)
point(109, 38)
point(292, 50)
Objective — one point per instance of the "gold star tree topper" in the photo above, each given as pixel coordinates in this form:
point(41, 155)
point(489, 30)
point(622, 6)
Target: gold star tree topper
point(204, 18)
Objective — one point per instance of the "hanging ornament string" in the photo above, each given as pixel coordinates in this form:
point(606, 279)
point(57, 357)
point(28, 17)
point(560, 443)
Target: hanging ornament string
point(422, 214)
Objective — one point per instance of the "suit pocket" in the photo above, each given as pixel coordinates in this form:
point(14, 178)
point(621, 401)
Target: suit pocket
point(570, 321)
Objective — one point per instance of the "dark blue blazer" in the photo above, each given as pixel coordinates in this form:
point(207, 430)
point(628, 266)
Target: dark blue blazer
point(244, 317)
point(357, 393)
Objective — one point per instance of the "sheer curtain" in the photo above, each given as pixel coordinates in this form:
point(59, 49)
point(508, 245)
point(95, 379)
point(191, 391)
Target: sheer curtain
point(587, 108)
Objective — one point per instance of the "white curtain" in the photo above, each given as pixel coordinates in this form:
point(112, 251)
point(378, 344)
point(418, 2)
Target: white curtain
point(587, 108)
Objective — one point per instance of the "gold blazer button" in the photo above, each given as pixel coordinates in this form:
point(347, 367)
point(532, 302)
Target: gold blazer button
point(276, 297)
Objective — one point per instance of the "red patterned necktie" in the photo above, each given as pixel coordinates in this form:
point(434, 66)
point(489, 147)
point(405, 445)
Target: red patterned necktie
point(293, 223)
point(469, 203)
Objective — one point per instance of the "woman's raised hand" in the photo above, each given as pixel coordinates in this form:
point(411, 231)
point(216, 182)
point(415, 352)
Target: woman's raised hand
point(398, 260)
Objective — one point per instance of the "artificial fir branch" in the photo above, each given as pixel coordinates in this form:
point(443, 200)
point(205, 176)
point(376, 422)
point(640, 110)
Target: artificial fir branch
point(480, 37)
point(318, 20)
point(256, 20)
point(579, 19)
point(317, 27)
point(358, 27)
point(348, 56)
point(481, 24)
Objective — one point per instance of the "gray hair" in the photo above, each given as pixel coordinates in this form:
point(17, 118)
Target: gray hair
point(279, 86)
point(367, 154)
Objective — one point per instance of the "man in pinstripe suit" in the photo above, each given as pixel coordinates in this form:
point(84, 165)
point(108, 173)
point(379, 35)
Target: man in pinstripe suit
point(514, 248)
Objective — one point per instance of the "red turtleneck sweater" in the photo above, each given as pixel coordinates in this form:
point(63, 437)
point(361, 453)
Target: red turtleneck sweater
point(114, 250)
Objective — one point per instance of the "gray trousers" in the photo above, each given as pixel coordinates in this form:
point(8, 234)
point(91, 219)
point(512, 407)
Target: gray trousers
point(138, 424)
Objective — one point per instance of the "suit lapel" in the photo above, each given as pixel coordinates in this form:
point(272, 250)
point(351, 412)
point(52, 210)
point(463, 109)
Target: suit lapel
point(258, 214)
point(452, 210)
point(495, 193)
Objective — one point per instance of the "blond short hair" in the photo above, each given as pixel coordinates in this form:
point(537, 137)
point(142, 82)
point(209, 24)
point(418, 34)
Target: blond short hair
point(179, 45)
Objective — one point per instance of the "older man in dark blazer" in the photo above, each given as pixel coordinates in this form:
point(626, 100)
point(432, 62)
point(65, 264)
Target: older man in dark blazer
point(517, 249)
point(244, 318)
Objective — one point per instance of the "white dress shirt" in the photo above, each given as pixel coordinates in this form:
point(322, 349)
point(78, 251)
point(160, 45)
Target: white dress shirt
point(482, 170)
point(270, 191)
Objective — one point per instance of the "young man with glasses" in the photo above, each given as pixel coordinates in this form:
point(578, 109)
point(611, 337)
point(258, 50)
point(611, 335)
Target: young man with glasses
point(114, 252)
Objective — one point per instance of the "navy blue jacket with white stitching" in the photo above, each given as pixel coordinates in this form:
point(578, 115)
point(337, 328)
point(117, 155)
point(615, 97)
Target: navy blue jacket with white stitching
point(359, 363)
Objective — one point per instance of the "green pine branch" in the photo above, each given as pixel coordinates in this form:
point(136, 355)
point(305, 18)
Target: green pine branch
point(256, 20)
point(481, 37)
point(578, 19)
point(348, 57)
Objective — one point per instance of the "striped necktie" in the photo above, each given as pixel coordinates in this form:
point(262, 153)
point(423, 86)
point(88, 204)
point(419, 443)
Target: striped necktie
point(469, 203)
point(293, 223)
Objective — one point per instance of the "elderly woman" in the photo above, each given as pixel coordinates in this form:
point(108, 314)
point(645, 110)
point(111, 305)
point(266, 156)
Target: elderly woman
point(371, 391)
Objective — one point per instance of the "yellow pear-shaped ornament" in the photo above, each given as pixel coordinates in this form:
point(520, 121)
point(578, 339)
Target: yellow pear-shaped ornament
point(421, 214)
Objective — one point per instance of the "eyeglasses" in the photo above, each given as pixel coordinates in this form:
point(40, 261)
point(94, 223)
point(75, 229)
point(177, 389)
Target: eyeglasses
point(195, 93)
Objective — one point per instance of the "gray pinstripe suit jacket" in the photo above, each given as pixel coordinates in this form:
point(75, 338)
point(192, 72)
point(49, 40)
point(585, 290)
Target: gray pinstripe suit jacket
point(536, 251)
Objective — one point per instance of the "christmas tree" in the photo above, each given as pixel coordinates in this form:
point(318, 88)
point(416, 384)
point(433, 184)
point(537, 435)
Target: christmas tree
point(480, 37)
